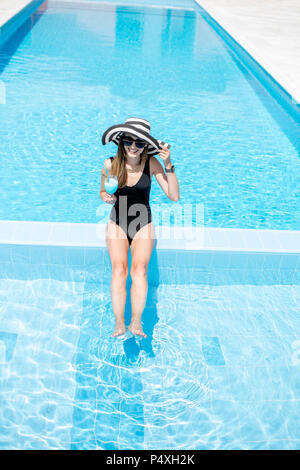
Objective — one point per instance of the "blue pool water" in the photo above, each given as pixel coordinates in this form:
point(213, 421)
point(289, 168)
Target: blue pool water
point(220, 367)
point(218, 370)
point(76, 69)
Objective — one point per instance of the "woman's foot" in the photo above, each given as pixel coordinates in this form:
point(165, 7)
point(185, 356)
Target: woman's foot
point(136, 328)
point(120, 329)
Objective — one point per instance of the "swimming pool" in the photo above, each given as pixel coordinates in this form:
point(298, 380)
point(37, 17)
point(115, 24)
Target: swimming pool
point(69, 74)
point(220, 367)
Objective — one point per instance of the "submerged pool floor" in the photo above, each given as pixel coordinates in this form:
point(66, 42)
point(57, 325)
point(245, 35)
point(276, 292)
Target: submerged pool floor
point(218, 370)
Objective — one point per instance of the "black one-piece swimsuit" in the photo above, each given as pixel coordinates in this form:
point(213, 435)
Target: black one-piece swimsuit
point(132, 211)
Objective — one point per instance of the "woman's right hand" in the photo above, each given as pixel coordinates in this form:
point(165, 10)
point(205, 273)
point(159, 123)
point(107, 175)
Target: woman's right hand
point(109, 198)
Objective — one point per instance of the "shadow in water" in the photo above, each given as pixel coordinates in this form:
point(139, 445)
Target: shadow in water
point(133, 346)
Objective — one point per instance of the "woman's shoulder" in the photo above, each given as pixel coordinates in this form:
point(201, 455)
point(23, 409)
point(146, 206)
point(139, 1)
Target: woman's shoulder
point(108, 162)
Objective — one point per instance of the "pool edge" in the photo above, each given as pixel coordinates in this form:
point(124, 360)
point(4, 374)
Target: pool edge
point(204, 239)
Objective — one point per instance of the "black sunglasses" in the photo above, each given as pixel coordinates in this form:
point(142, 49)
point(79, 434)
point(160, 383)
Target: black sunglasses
point(127, 141)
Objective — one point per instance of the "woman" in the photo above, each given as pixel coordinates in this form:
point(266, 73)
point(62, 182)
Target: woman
point(133, 166)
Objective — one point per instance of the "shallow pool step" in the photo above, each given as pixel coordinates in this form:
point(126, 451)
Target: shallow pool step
point(166, 266)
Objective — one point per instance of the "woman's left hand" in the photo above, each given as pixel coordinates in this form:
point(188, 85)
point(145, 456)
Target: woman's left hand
point(164, 154)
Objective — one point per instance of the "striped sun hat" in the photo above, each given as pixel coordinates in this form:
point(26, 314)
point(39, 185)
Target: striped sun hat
point(139, 128)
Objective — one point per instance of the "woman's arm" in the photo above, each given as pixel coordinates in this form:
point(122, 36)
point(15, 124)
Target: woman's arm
point(167, 181)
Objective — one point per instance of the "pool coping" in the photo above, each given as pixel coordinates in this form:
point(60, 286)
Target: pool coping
point(200, 239)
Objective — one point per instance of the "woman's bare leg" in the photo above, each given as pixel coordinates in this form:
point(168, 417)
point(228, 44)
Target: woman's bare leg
point(141, 250)
point(118, 247)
